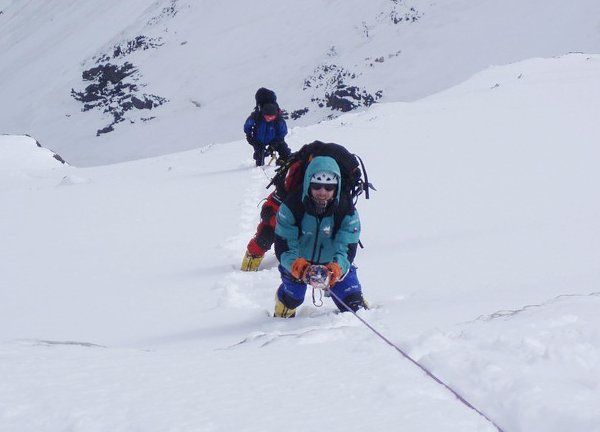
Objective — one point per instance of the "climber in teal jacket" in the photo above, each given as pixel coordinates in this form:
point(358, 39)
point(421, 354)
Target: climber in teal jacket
point(317, 226)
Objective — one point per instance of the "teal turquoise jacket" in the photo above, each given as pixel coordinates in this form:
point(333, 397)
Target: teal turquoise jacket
point(331, 237)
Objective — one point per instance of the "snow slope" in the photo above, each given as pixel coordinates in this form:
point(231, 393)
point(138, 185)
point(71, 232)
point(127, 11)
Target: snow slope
point(123, 309)
point(198, 63)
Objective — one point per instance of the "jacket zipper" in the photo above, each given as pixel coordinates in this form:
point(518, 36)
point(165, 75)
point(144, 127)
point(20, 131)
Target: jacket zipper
point(312, 259)
point(319, 256)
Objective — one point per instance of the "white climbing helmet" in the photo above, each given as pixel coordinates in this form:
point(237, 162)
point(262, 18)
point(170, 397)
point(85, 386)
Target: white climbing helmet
point(324, 177)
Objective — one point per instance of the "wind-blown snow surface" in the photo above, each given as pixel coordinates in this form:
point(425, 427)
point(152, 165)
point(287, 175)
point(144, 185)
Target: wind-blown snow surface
point(122, 307)
point(207, 59)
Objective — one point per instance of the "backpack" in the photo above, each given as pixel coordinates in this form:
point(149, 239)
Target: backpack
point(289, 177)
point(264, 96)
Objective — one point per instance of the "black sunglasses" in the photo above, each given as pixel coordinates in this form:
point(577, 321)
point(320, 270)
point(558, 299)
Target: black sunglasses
point(328, 187)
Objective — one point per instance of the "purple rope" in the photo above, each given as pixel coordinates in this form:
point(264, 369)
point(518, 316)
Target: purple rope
point(423, 368)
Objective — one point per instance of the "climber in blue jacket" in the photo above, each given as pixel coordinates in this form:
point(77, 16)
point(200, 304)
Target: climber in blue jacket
point(265, 131)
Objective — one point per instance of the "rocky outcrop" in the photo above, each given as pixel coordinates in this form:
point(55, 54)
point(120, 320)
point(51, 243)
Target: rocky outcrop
point(116, 85)
point(337, 88)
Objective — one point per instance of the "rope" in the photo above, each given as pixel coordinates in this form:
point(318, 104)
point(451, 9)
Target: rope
point(423, 368)
point(262, 167)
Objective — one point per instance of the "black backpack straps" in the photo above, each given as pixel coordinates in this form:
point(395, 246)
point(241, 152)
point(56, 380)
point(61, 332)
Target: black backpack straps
point(338, 217)
point(344, 207)
point(296, 206)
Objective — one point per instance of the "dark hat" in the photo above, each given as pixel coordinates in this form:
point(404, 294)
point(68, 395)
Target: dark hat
point(270, 109)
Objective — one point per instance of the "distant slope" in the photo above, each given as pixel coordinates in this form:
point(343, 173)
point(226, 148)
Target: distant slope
point(160, 76)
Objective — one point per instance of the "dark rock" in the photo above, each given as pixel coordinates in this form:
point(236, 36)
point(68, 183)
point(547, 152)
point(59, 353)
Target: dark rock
point(107, 129)
point(140, 43)
point(108, 72)
point(54, 155)
point(397, 16)
point(141, 104)
point(337, 93)
point(167, 12)
point(349, 98)
point(114, 89)
point(58, 158)
point(298, 113)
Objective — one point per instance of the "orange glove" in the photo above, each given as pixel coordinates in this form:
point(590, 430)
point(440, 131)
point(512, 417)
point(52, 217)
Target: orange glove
point(335, 273)
point(299, 268)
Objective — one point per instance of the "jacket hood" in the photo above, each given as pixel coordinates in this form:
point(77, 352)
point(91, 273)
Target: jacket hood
point(321, 163)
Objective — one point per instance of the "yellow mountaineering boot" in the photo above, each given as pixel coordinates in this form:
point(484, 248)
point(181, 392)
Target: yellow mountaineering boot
point(250, 262)
point(281, 311)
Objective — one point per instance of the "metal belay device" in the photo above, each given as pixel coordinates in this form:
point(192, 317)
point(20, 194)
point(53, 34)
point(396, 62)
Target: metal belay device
point(317, 277)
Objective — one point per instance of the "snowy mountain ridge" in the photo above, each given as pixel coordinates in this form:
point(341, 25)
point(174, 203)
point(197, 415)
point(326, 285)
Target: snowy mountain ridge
point(102, 82)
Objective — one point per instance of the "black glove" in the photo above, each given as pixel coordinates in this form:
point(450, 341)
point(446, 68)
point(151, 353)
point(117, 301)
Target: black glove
point(251, 140)
point(259, 156)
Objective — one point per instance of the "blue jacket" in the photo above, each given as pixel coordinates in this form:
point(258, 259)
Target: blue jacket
point(299, 232)
point(265, 132)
